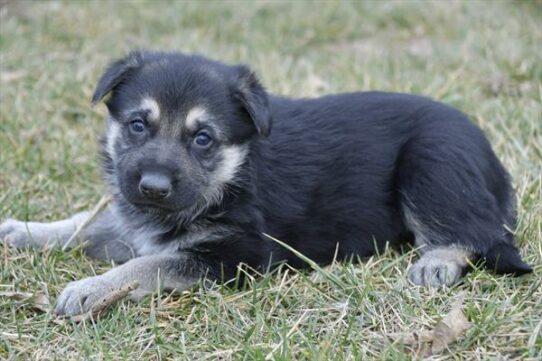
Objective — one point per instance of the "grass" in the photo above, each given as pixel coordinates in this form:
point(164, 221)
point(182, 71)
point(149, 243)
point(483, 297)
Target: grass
point(483, 57)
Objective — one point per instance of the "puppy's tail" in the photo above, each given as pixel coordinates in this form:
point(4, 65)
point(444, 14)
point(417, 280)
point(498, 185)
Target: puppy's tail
point(504, 258)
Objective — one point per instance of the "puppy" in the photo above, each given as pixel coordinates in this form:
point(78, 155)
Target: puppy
point(201, 162)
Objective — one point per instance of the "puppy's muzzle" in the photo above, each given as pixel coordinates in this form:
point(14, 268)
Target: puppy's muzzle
point(155, 186)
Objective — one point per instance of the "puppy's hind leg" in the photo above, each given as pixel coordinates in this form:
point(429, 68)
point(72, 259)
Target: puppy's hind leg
point(440, 264)
point(450, 205)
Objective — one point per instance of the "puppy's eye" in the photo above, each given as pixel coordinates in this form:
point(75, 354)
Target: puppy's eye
point(137, 126)
point(203, 139)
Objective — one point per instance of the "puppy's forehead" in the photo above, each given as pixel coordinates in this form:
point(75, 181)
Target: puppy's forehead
point(178, 97)
point(177, 80)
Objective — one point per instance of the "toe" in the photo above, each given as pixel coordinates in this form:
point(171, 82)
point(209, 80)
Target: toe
point(68, 303)
point(415, 275)
point(79, 296)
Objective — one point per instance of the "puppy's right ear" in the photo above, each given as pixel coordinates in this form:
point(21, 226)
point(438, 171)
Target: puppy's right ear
point(116, 74)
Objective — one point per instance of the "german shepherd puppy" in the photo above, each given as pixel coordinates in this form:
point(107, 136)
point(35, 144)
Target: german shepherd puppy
point(202, 162)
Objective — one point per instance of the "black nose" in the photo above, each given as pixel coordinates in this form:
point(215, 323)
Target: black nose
point(155, 186)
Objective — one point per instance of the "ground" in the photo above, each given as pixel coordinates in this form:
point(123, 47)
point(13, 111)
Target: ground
point(482, 57)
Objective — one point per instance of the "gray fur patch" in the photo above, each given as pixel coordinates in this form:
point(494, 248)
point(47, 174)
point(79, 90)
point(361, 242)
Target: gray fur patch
point(423, 236)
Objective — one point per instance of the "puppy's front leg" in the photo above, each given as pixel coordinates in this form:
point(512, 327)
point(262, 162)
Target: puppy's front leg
point(156, 272)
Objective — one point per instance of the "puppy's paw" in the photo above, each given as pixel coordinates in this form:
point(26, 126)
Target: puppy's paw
point(16, 233)
point(439, 267)
point(79, 296)
point(435, 273)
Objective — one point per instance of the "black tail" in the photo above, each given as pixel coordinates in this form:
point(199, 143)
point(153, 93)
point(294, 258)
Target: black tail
point(504, 258)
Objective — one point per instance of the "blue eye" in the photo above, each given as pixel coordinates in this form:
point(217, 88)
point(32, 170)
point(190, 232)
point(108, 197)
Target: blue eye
point(137, 126)
point(203, 139)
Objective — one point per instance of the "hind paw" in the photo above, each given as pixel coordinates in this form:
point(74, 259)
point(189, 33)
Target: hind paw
point(439, 267)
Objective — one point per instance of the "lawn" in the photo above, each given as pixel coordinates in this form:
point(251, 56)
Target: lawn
point(482, 57)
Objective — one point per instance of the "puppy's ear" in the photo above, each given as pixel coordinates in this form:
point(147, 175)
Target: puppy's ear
point(253, 98)
point(116, 74)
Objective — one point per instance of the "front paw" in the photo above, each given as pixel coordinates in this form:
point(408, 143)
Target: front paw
point(16, 234)
point(79, 296)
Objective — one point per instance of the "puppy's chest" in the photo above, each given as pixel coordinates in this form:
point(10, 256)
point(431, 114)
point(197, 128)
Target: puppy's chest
point(151, 243)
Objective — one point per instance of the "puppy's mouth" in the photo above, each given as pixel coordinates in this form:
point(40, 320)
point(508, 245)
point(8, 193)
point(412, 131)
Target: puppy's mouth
point(156, 209)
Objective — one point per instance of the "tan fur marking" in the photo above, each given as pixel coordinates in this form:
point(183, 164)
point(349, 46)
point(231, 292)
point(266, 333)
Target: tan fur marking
point(195, 114)
point(152, 106)
point(232, 158)
point(113, 133)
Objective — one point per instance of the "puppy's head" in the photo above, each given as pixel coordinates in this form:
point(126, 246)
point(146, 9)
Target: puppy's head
point(179, 128)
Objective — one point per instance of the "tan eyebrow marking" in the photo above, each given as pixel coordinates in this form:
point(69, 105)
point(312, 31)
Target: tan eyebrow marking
point(194, 115)
point(152, 106)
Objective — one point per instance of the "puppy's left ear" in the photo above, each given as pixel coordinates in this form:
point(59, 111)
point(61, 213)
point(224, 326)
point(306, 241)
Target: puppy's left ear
point(253, 97)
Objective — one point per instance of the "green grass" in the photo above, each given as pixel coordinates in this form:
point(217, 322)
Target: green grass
point(483, 57)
